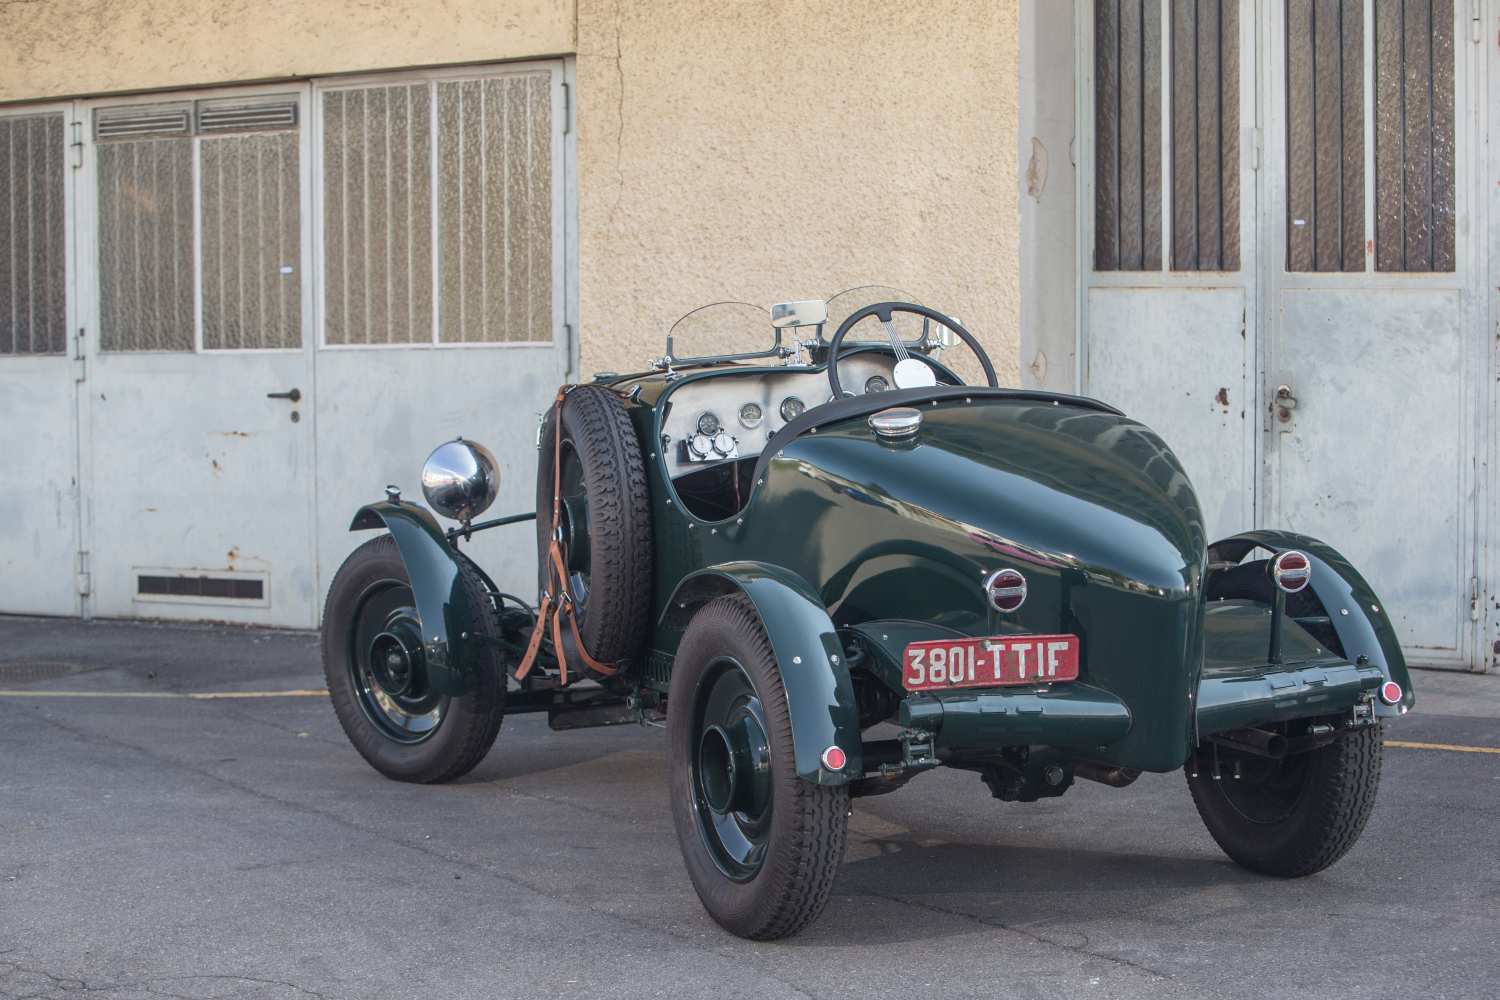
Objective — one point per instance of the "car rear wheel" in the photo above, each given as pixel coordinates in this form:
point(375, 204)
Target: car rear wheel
point(761, 845)
point(372, 659)
point(1295, 816)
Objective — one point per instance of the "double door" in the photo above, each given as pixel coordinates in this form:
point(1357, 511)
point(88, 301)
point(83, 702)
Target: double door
point(242, 312)
point(1287, 278)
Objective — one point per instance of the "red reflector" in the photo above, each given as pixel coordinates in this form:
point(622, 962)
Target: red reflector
point(1390, 693)
point(1291, 571)
point(834, 759)
point(1006, 589)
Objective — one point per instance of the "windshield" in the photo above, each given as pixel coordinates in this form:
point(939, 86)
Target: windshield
point(744, 330)
point(732, 329)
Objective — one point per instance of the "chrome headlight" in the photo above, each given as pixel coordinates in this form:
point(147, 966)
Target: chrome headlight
point(460, 479)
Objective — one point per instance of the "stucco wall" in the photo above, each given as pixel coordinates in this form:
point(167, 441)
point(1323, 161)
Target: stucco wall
point(783, 149)
point(58, 48)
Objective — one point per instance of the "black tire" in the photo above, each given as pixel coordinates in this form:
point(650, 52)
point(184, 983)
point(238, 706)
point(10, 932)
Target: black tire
point(372, 587)
point(1296, 816)
point(611, 574)
point(796, 830)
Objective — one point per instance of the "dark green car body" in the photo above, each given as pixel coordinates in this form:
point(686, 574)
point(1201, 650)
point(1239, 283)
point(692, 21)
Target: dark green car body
point(851, 546)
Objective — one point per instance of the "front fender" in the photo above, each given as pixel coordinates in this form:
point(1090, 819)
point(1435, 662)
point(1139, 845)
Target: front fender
point(1357, 615)
point(432, 567)
point(819, 693)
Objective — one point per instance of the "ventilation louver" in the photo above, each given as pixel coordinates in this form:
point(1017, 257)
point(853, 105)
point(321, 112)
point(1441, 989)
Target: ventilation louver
point(245, 116)
point(143, 122)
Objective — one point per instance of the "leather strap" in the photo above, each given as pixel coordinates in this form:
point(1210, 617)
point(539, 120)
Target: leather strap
point(557, 580)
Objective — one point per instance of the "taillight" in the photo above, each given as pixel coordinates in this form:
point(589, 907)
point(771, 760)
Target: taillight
point(1291, 571)
point(1006, 589)
point(1390, 693)
point(834, 758)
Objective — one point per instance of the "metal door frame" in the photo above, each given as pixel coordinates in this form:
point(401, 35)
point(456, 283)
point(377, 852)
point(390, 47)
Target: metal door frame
point(1249, 273)
point(73, 354)
point(1469, 255)
point(1486, 211)
point(86, 221)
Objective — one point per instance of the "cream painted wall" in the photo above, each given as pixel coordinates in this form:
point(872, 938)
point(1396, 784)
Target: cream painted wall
point(783, 149)
point(62, 48)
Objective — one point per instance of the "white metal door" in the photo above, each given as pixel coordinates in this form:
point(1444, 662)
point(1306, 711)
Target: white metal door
point(194, 256)
point(443, 226)
point(1167, 206)
point(38, 399)
point(1375, 312)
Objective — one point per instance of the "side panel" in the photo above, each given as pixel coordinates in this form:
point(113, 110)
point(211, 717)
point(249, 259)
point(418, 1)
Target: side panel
point(819, 693)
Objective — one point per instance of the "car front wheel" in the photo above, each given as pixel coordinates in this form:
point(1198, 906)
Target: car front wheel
point(761, 845)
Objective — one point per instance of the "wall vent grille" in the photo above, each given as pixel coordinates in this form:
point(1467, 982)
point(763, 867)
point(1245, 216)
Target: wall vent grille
point(223, 588)
point(143, 122)
point(244, 116)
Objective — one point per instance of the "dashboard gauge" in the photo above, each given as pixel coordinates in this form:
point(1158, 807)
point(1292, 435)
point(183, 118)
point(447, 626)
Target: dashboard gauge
point(708, 424)
point(751, 414)
point(702, 445)
point(876, 383)
point(724, 444)
point(792, 408)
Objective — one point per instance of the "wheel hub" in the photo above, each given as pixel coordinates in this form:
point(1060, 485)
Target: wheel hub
point(396, 659)
point(732, 774)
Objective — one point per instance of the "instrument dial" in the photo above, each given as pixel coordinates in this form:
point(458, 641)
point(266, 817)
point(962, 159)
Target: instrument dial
point(702, 445)
point(876, 383)
point(751, 415)
point(708, 423)
point(724, 444)
point(792, 408)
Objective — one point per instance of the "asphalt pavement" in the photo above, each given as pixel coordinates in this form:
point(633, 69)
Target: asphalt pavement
point(154, 845)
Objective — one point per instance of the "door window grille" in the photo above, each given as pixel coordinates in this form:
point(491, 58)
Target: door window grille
point(33, 318)
point(1414, 135)
point(1192, 84)
point(465, 163)
point(240, 158)
point(1325, 129)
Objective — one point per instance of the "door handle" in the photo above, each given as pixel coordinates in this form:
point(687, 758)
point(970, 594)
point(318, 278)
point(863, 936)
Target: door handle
point(1285, 403)
point(295, 395)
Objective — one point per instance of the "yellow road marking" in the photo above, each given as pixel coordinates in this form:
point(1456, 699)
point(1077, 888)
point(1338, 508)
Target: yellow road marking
point(1451, 747)
point(189, 695)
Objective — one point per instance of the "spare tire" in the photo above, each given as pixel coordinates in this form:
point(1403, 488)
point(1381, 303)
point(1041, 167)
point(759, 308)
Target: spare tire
point(605, 523)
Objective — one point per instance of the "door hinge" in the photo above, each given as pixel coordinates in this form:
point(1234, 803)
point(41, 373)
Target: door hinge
point(80, 361)
point(1474, 601)
point(85, 578)
point(1475, 22)
point(1255, 148)
point(567, 109)
point(75, 148)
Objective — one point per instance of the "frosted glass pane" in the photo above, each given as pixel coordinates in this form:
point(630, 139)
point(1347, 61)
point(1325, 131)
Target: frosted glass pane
point(146, 245)
point(495, 223)
point(377, 215)
point(33, 315)
point(251, 254)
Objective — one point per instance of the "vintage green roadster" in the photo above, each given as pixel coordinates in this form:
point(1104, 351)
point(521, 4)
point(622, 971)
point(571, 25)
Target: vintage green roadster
point(828, 565)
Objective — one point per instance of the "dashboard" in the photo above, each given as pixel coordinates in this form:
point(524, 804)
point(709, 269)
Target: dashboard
point(734, 415)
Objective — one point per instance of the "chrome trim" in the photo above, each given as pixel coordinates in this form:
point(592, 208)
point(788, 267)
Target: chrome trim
point(897, 423)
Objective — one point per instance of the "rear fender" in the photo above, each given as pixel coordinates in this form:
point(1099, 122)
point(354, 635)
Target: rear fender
point(432, 566)
point(1358, 617)
point(819, 693)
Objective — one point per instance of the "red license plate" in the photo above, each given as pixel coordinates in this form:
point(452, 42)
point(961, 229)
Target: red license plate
point(1000, 659)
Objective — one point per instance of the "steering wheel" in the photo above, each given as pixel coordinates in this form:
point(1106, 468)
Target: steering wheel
point(910, 373)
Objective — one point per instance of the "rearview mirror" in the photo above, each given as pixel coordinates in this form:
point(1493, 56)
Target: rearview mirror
point(808, 312)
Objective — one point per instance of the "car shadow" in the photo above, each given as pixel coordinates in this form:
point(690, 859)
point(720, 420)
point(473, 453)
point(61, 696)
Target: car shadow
point(913, 890)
